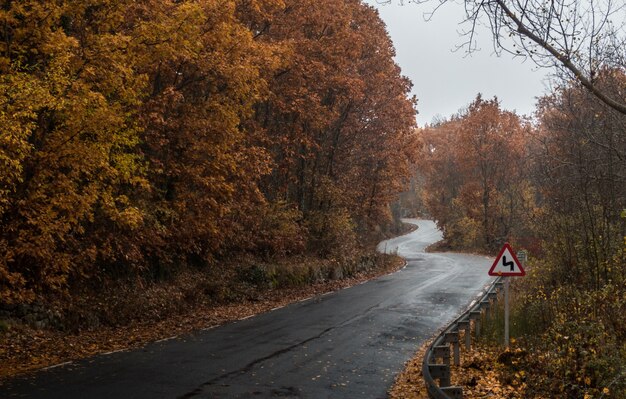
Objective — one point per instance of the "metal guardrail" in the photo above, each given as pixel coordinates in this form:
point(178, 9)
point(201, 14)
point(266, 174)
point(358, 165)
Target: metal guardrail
point(450, 337)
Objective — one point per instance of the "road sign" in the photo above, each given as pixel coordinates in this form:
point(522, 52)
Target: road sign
point(506, 263)
point(522, 256)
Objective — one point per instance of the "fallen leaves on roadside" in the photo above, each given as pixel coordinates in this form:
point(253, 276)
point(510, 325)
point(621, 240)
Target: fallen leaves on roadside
point(409, 384)
point(478, 375)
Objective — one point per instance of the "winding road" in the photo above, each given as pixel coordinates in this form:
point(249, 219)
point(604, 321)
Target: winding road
point(346, 344)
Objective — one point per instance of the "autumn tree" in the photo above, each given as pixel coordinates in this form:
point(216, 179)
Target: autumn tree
point(139, 138)
point(441, 171)
point(582, 179)
point(121, 146)
point(577, 281)
point(477, 183)
point(68, 98)
point(339, 124)
point(201, 167)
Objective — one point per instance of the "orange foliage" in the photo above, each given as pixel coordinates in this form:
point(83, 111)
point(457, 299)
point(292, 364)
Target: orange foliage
point(139, 137)
point(338, 122)
point(475, 165)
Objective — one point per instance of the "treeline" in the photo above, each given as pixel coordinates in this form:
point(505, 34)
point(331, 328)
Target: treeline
point(556, 187)
point(141, 137)
point(476, 168)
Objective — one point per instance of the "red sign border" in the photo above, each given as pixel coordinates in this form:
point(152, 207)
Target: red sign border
point(522, 272)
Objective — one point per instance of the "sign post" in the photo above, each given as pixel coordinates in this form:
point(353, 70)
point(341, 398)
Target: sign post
point(505, 265)
point(506, 312)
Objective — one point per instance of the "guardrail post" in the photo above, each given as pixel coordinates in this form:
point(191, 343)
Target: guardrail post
point(441, 352)
point(493, 297)
point(431, 370)
point(485, 305)
point(465, 325)
point(475, 315)
point(440, 372)
point(453, 338)
point(457, 353)
point(453, 392)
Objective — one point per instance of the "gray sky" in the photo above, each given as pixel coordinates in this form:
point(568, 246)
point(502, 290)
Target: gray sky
point(444, 80)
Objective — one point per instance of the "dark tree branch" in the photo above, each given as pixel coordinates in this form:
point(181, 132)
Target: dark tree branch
point(563, 58)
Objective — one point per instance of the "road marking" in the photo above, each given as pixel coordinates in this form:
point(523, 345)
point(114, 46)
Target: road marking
point(276, 308)
point(305, 299)
point(212, 327)
point(115, 351)
point(166, 339)
point(57, 365)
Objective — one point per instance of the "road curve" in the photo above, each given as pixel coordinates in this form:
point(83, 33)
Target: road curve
point(346, 344)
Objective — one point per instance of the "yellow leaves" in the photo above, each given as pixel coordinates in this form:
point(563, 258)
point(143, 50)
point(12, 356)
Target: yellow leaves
point(135, 114)
point(265, 8)
point(131, 218)
point(63, 126)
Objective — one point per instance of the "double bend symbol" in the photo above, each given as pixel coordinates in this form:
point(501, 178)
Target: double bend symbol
point(511, 264)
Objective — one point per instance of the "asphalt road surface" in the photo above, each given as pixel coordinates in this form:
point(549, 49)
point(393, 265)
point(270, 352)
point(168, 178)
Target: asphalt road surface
point(347, 344)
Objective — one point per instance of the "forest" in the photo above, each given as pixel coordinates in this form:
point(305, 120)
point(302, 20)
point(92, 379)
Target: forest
point(555, 186)
point(144, 139)
point(159, 154)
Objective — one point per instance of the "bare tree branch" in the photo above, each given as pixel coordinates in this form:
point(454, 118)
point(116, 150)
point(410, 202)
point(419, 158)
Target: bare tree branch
point(562, 57)
point(580, 38)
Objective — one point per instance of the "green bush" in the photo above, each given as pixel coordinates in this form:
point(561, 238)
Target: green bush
point(332, 232)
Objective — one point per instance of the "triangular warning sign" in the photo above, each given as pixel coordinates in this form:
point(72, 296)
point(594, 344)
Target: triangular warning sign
point(506, 263)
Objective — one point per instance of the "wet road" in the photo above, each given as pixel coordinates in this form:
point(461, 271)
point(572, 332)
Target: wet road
point(346, 344)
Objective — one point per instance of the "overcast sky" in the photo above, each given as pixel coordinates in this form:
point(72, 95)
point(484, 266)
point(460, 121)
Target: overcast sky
point(444, 80)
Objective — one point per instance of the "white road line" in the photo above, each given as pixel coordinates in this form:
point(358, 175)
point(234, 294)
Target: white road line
point(167, 339)
point(115, 351)
point(56, 365)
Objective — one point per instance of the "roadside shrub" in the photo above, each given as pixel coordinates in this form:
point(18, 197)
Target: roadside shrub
point(576, 335)
point(280, 232)
point(331, 232)
point(463, 233)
